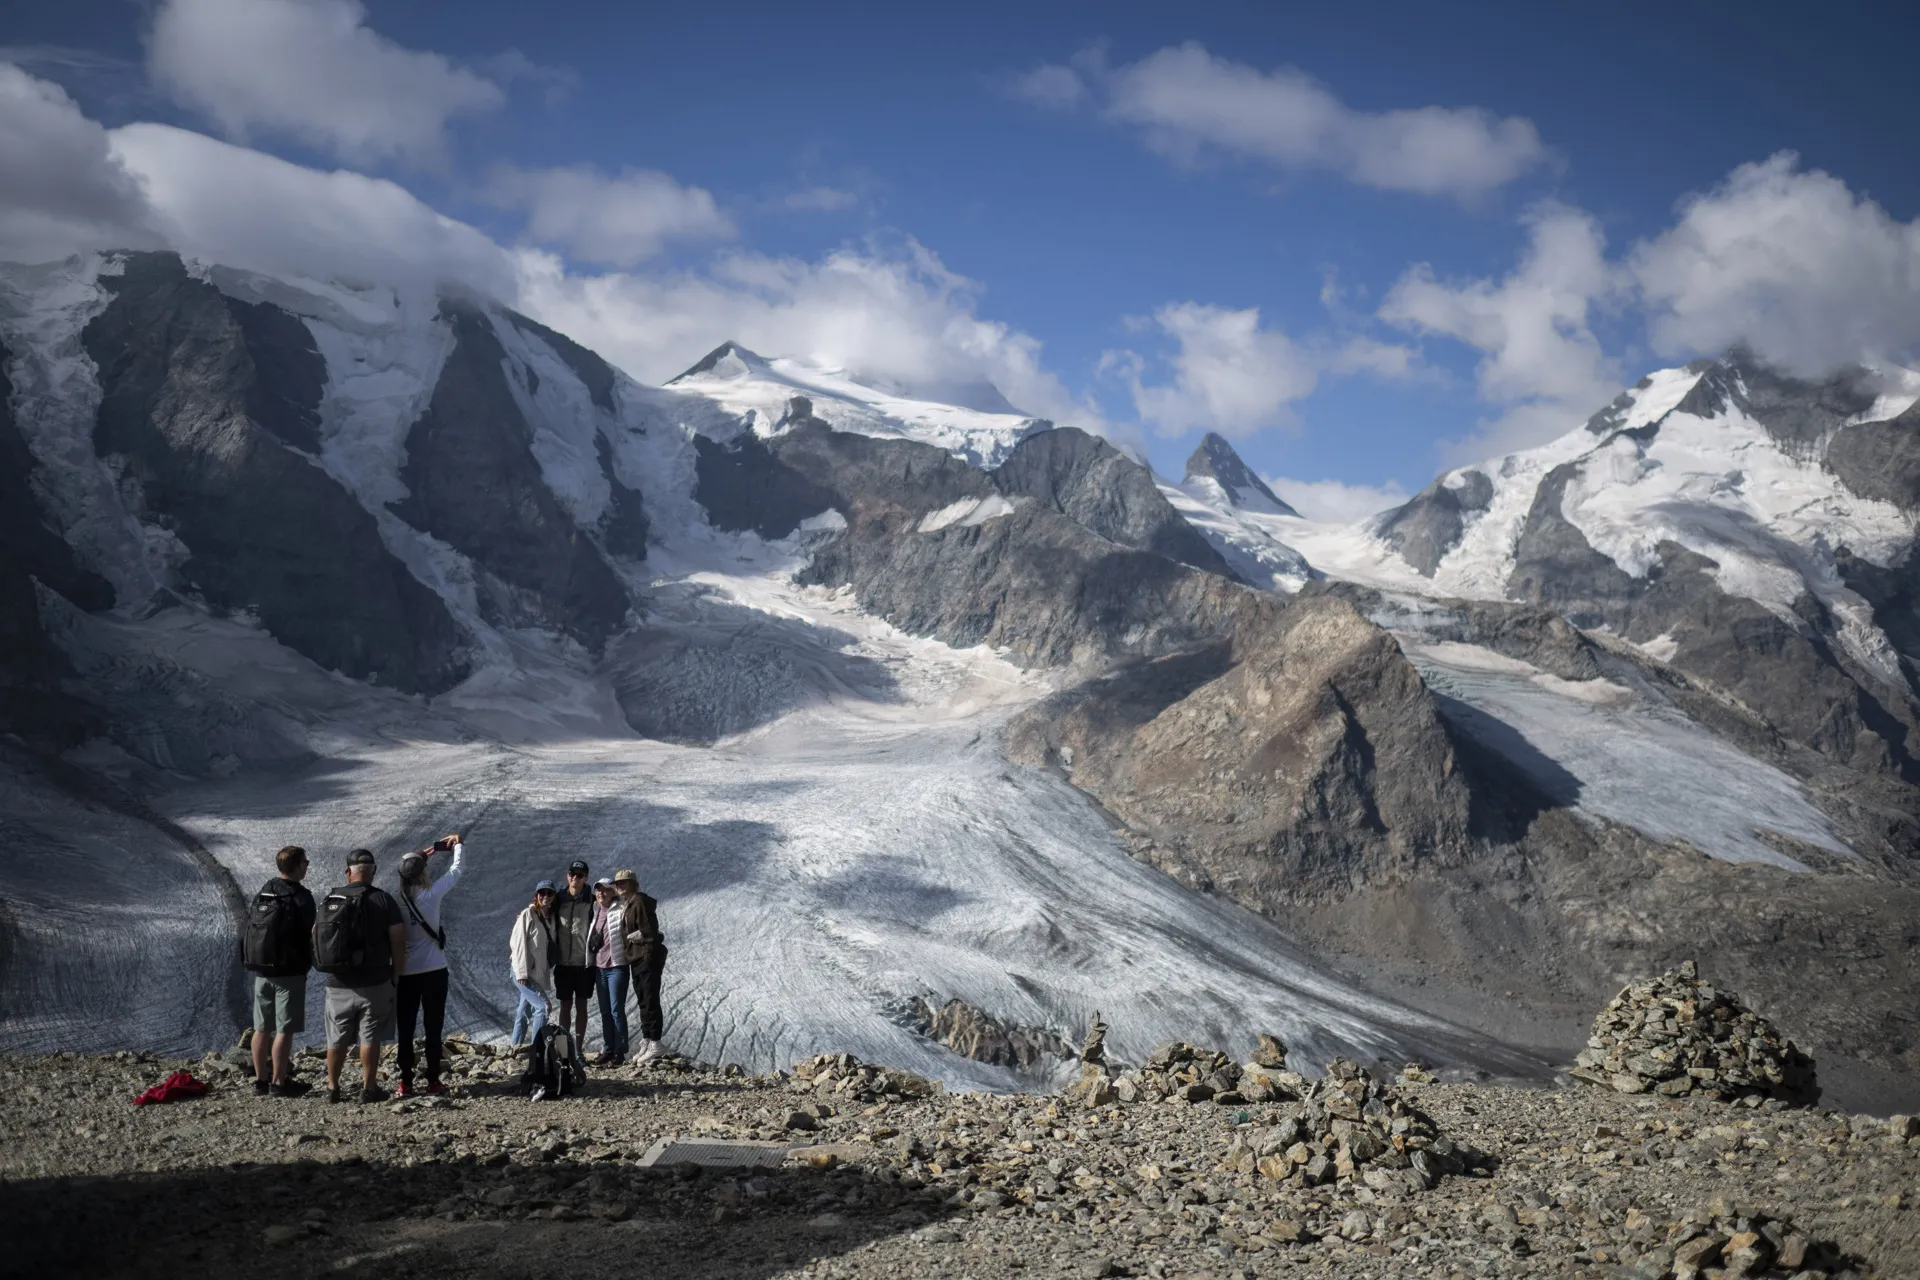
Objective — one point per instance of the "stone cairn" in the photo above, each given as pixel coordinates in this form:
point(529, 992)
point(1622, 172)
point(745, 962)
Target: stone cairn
point(1678, 1036)
point(841, 1077)
point(1732, 1241)
point(1346, 1127)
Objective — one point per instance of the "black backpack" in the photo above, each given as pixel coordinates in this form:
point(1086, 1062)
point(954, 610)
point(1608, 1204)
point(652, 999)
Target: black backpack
point(275, 939)
point(549, 1072)
point(340, 939)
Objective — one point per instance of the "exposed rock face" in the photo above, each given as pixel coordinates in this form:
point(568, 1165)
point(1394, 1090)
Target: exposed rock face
point(1303, 757)
point(473, 481)
point(31, 701)
point(1430, 523)
point(973, 1033)
point(1098, 487)
point(1795, 677)
point(1677, 1035)
point(596, 374)
point(205, 403)
point(1881, 460)
point(624, 528)
point(1800, 415)
point(1216, 460)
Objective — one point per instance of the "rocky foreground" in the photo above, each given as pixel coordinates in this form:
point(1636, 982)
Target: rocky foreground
point(1352, 1176)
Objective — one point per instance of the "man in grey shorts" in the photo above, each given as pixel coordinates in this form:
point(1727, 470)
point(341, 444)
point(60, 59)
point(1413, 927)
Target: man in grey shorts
point(278, 947)
point(360, 943)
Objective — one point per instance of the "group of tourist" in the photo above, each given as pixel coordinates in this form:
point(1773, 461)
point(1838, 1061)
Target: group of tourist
point(385, 962)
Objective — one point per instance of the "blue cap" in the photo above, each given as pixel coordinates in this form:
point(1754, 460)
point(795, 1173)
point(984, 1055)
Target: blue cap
point(545, 886)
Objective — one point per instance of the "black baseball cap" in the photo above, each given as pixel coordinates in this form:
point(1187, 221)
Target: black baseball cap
point(576, 868)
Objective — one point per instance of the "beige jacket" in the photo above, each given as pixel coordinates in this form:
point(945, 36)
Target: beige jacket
point(531, 947)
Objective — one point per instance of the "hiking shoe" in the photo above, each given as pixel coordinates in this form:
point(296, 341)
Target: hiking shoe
point(334, 1094)
point(374, 1093)
point(649, 1054)
point(260, 1088)
point(433, 1087)
point(404, 1089)
point(291, 1089)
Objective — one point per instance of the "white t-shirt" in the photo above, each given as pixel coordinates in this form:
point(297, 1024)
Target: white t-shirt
point(423, 953)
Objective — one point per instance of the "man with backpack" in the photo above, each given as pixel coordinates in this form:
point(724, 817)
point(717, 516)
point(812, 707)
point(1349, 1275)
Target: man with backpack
point(422, 989)
point(573, 967)
point(277, 946)
point(360, 943)
point(639, 926)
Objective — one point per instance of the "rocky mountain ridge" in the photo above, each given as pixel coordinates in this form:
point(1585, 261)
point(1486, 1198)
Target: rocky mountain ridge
point(1403, 741)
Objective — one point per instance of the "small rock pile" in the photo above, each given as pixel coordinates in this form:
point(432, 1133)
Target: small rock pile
point(1349, 1127)
point(1681, 1037)
point(1195, 1074)
point(844, 1077)
point(1730, 1242)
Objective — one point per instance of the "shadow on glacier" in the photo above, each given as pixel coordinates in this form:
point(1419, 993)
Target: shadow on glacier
point(1514, 781)
point(887, 888)
point(190, 1221)
point(728, 668)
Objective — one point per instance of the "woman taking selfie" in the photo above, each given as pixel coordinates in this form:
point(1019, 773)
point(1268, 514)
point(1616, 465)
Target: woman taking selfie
point(422, 988)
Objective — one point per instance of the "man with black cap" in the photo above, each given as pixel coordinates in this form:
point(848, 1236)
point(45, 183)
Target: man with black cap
point(360, 943)
point(573, 969)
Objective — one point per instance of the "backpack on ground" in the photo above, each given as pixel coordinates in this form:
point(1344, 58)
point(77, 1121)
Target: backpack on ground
point(340, 938)
point(275, 939)
point(549, 1071)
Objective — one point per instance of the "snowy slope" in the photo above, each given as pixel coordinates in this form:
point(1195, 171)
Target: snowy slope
point(760, 391)
point(1249, 538)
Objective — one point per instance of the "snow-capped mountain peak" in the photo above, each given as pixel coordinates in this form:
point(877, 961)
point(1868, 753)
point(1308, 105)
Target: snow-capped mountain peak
point(762, 392)
point(1216, 469)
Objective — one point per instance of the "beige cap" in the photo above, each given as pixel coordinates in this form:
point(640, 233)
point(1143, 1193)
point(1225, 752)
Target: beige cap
point(625, 874)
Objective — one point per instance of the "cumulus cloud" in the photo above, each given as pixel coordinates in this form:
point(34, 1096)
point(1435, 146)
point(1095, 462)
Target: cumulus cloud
point(1190, 103)
point(243, 208)
point(1792, 263)
point(1540, 359)
point(1335, 502)
point(1229, 374)
point(615, 221)
point(312, 71)
point(889, 313)
point(61, 188)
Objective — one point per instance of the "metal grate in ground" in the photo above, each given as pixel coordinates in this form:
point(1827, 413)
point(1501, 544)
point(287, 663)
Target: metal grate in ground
point(715, 1153)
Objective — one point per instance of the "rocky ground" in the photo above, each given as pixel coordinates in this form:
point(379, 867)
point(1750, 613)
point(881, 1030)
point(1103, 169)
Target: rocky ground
point(882, 1183)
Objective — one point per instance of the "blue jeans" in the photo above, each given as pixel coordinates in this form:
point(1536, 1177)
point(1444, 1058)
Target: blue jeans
point(530, 1014)
point(612, 986)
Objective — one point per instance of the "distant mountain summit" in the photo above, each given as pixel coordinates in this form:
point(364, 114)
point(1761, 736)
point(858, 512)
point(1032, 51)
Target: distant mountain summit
point(1215, 462)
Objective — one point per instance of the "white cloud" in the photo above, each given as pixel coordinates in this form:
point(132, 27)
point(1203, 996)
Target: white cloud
point(1191, 103)
point(1334, 502)
point(1229, 374)
point(243, 208)
point(615, 221)
point(1540, 360)
point(61, 189)
point(1791, 263)
point(312, 71)
point(895, 315)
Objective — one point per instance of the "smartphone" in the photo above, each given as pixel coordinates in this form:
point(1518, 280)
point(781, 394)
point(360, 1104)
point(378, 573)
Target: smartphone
point(445, 843)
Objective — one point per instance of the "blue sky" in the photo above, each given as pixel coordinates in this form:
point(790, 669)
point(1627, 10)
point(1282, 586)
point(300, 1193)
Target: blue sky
point(1111, 221)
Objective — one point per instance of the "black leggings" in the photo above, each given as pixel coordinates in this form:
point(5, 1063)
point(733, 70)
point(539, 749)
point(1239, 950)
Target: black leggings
point(646, 992)
point(421, 993)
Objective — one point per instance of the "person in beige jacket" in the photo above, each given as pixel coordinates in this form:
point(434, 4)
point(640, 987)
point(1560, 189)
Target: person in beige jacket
point(531, 948)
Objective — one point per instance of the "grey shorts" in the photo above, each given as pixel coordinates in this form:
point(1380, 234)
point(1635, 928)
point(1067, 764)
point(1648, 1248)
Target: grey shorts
point(279, 1005)
point(359, 1015)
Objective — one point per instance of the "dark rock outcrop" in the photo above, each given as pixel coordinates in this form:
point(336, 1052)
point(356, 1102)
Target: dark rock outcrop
point(1792, 676)
point(1881, 460)
point(1800, 415)
point(201, 397)
point(473, 481)
point(624, 527)
point(1429, 524)
point(1303, 757)
point(32, 702)
point(1092, 483)
point(1218, 461)
point(596, 374)
point(973, 1033)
